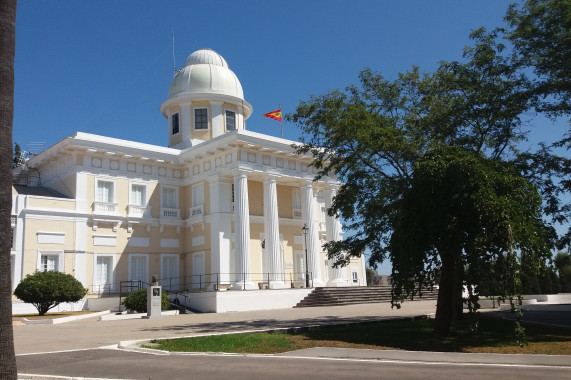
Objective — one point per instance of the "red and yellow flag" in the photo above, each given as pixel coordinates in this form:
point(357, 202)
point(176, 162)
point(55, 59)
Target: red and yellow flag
point(276, 115)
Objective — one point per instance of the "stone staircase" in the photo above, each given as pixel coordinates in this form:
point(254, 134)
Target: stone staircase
point(354, 295)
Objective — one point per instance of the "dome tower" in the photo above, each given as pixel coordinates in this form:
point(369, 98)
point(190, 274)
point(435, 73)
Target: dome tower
point(205, 101)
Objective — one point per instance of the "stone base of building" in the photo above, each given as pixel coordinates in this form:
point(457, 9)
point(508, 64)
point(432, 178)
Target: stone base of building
point(236, 300)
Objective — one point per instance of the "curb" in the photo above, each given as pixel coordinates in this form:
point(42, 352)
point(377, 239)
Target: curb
point(56, 321)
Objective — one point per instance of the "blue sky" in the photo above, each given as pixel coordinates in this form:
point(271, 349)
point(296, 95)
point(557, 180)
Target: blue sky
point(105, 67)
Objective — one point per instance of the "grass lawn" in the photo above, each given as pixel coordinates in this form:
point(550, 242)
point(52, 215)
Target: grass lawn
point(493, 336)
point(61, 314)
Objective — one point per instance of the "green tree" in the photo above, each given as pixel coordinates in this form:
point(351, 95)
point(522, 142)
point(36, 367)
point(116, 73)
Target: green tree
point(372, 276)
point(531, 269)
point(373, 136)
point(46, 290)
point(563, 264)
point(17, 155)
point(462, 212)
point(7, 51)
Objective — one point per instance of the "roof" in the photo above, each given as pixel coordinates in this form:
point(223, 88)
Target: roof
point(38, 191)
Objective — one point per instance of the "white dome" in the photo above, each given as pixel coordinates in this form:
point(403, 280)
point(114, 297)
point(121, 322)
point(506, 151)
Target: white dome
point(206, 72)
point(207, 56)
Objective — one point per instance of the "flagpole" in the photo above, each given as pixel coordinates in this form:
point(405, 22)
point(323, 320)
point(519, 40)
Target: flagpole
point(281, 122)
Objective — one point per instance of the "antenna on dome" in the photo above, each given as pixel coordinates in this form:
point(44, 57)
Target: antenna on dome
point(173, 59)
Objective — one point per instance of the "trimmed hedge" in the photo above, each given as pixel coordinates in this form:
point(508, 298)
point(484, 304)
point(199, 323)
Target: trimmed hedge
point(46, 290)
point(137, 301)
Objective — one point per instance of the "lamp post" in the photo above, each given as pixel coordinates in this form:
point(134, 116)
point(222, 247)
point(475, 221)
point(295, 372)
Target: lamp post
point(305, 230)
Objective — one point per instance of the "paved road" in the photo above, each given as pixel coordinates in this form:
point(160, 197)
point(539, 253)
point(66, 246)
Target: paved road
point(75, 349)
point(106, 363)
point(91, 333)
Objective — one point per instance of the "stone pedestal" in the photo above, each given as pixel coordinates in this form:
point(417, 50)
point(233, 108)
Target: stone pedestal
point(154, 298)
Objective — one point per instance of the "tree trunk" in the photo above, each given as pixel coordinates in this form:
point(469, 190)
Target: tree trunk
point(458, 290)
point(7, 50)
point(445, 307)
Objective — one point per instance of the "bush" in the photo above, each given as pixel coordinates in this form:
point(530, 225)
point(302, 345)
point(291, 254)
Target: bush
point(46, 290)
point(137, 301)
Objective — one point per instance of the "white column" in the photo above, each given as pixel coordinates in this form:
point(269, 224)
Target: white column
point(217, 119)
point(242, 230)
point(220, 229)
point(272, 234)
point(333, 229)
point(313, 243)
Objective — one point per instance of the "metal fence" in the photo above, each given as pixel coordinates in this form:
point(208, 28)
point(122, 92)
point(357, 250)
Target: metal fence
point(203, 282)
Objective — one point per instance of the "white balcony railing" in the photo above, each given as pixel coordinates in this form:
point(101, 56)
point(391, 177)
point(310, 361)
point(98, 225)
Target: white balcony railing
point(170, 213)
point(136, 211)
point(297, 213)
point(197, 211)
point(104, 208)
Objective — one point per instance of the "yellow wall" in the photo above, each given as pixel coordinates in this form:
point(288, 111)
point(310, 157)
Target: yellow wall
point(256, 197)
point(32, 248)
point(44, 202)
point(284, 201)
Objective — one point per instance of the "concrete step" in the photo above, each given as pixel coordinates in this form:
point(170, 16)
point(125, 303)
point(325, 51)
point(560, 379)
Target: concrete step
point(353, 295)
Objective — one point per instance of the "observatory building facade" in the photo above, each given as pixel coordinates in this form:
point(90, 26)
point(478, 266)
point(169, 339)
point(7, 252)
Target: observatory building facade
point(220, 209)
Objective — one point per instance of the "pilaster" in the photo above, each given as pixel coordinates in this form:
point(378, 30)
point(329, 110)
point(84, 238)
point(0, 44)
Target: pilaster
point(217, 119)
point(220, 228)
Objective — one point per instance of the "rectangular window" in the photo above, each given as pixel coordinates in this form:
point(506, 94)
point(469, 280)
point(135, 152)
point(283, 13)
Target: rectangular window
point(354, 277)
point(197, 194)
point(230, 120)
point(175, 123)
point(49, 263)
point(169, 197)
point(138, 195)
point(138, 268)
point(169, 271)
point(103, 273)
point(200, 118)
point(104, 191)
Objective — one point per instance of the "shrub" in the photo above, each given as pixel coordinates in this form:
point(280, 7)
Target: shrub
point(137, 301)
point(46, 290)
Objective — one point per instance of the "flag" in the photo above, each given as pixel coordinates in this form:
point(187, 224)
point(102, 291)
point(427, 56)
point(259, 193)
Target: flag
point(276, 115)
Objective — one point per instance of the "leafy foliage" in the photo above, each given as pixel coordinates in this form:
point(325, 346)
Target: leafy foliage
point(461, 213)
point(540, 31)
point(137, 301)
point(46, 290)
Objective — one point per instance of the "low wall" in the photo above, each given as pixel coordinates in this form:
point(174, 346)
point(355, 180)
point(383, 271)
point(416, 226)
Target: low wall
point(28, 308)
point(246, 300)
point(104, 303)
